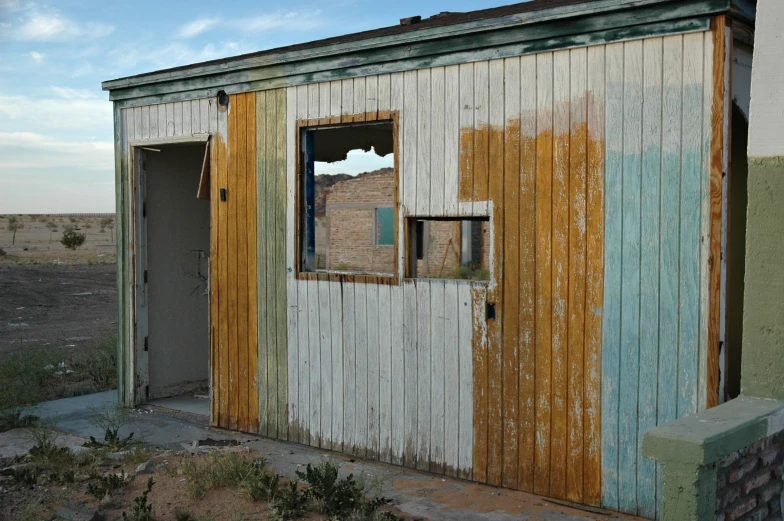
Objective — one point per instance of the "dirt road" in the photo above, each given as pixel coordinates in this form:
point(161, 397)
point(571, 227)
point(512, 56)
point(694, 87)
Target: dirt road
point(57, 306)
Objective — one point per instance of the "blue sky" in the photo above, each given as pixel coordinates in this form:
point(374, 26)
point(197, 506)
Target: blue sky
point(56, 151)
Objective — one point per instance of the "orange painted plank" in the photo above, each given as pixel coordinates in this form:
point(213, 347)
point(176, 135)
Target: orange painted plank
point(527, 277)
point(560, 274)
point(223, 275)
point(716, 169)
point(232, 198)
point(511, 276)
point(592, 471)
point(577, 292)
point(479, 349)
point(495, 348)
point(239, 150)
point(544, 180)
point(253, 302)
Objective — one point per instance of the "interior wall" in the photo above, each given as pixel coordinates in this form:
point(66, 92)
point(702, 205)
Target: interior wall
point(178, 233)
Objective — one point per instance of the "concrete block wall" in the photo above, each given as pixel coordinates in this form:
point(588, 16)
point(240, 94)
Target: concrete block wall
point(749, 482)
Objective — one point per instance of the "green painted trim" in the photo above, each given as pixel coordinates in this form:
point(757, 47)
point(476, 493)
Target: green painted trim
point(690, 447)
point(518, 48)
point(632, 10)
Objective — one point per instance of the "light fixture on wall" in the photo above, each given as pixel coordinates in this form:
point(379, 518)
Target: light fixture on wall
point(223, 98)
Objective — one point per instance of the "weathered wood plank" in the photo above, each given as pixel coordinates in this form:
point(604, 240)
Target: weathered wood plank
point(347, 101)
point(410, 152)
point(424, 391)
point(361, 361)
point(349, 369)
point(560, 274)
point(396, 103)
point(385, 417)
point(410, 372)
point(271, 337)
point(359, 99)
point(372, 372)
point(437, 383)
point(691, 210)
point(577, 274)
point(611, 317)
point(314, 335)
point(371, 98)
point(251, 223)
point(481, 136)
point(325, 100)
point(451, 138)
point(397, 384)
point(291, 281)
point(437, 134)
point(465, 435)
point(594, 277)
point(544, 175)
point(177, 120)
point(235, 108)
point(279, 281)
point(302, 316)
point(336, 101)
point(239, 149)
point(325, 361)
point(423, 153)
point(495, 369)
point(466, 140)
point(263, 260)
point(649, 268)
point(527, 275)
point(313, 103)
point(186, 118)
point(479, 395)
point(336, 317)
point(451, 354)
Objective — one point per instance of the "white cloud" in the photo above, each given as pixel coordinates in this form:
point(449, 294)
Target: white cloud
point(30, 150)
point(49, 25)
point(69, 93)
point(133, 55)
point(36, 56)
point(292, 20)
point(74, 111)
point(196, 27)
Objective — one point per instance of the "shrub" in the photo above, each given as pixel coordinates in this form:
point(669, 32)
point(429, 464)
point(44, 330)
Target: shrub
point(288, 504)
point(141, 510)
point(108, 485)
point(72, 239)
point(99, 362)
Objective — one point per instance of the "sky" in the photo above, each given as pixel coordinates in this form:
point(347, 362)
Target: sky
point(56, 150)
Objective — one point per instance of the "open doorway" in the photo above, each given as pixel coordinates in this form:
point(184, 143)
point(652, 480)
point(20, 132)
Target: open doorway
point(173, 234)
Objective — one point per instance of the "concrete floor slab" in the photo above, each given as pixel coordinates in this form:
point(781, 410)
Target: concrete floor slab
point(436, 498)
point(185, 403)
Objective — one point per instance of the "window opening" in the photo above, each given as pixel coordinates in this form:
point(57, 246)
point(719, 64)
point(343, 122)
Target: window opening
point(449, 248)
point(347, 206)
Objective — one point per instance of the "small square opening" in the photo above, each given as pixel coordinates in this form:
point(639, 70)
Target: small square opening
point(448, 248)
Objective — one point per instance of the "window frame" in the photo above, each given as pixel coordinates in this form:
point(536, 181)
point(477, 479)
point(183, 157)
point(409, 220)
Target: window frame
point(302, 126)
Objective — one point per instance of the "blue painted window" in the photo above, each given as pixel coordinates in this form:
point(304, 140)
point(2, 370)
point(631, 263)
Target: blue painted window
point(385, 226)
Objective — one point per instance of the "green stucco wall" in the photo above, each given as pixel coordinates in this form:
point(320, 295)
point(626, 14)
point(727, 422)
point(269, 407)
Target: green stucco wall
point(762, 372)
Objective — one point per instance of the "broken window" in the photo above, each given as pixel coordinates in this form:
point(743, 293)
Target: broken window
point(347, 198)
point(449, 248)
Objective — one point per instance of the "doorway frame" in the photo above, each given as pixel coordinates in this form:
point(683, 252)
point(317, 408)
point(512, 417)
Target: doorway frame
point(137, 237)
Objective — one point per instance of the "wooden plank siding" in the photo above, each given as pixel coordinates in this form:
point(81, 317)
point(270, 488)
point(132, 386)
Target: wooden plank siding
point(593, 166)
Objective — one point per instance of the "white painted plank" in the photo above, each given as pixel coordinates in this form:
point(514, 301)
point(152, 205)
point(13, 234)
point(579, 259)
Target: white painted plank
point(304, 361)
point(359, 96)
point(186, 118)
point(385, 372)
point(396, 103)
point(315, 363)
point(371, 95)
point(347, 92)
point(204, 115)
point(336, 315)
point(437, 134)
point(465, 380)
point(437, 384)
point(481, 120)
point(466, 92)
point(372, 371)
point(349, 368)
point(423, 374)
point(361, 331)
point(137, 123)
point(153, 121)
point(291, 282)
point(162, 120)
point(451, 137)
point(451, 376)
point(409, 159)
point(145, 113)
point(313, 101)
point(196, 117)
point(410, 372)
point(177, 107)
point(170, 127)
point(324, 100)
point(384, 93)
point(325, 352)
point(397, 377)
point(423, 151)
point(336, 99)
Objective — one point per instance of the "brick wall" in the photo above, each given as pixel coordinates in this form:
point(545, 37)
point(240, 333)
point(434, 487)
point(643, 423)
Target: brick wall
point(750, 482)
point(351, 243)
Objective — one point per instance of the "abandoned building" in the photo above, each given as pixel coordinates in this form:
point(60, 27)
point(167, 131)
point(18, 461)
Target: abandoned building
point(552, 267)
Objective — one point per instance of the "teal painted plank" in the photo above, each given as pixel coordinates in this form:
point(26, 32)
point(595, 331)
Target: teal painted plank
point(630, 278)
point(611, 318)
point(691, 169)
point(649, 270)
point(241, 82)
